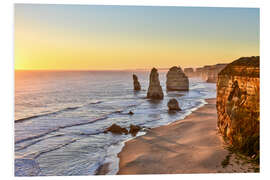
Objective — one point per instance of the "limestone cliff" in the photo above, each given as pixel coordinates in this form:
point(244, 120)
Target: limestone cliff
point(154, 90)
point(208, 73)
point(189, 72)
point(177, 80)
point(238, 104)
point(212, 73)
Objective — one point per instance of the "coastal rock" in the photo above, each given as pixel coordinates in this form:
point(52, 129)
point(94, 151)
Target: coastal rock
point(130, 113)
point(209, 73)
point(238, 104)
point(189, 72)
point(136, 83)
point(115, 129)
point(154, 89)
point(212, 72)
point(198, 72)
point(177, 80)
point(133, 129)
point(173, 105)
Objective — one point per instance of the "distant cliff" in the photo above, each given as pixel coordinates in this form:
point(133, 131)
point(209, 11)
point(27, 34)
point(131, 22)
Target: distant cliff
point(212, 72)
point(238, 104)
point(208, 73)
point(189, 72)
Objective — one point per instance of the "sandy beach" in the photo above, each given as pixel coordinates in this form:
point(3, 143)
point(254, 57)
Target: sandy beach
point(192, 145)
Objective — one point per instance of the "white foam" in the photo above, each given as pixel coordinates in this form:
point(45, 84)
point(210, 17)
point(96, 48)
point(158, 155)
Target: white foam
point(112, 154)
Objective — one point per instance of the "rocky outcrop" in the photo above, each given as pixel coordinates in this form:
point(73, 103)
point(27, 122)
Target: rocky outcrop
point(130, 113)
point(173, 105)
point(133, 129)
point(212, 72)
point(177, 80)
point(238, 104)
point(198, 72)
point(154, 90)
point(115, 129)
point(208, 73)
point(189, 72)
point(136, 83)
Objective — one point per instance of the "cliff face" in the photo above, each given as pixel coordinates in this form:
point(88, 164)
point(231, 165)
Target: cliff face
point(208, 73)
point(189, 72)
point(238, 104)
point(212, 72)
point(154, 90)
point(177, 80)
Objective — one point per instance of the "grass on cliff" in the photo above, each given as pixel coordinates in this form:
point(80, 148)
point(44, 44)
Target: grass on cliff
point(240, 156)
point(245, 62)
point(226, 161)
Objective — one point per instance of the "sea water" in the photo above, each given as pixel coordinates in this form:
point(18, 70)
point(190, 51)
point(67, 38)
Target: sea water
point(60, 117)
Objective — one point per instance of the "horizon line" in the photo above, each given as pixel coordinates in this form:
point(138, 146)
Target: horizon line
point(136, 69)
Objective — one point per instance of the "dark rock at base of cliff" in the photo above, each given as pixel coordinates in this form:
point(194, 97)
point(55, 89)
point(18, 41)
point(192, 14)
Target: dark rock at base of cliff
point(154, 90)
point(173, 105)
point(136, 83)
point(115, 129)
point(130, 113)
point(133, 129)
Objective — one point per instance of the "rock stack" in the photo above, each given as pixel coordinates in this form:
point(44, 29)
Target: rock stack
point(238, 104)
point(154, 90)
point(177, 80)
point(136, 83)
point(173, 105)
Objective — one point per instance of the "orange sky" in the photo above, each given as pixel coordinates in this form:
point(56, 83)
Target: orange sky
point(59, 37)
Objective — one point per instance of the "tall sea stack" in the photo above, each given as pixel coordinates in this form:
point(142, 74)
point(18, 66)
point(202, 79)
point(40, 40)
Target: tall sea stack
point(238, 104)
point(177, 80)
point(154, 90)
point(136, 83)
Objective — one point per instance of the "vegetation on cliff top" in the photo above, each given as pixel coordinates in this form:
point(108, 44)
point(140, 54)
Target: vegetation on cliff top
point(245, 63)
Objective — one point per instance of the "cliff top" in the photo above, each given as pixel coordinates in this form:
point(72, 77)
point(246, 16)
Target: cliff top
point(188, 70)
point(176, 69)
point(247, 61)
point(244, 66)
point(154, 70)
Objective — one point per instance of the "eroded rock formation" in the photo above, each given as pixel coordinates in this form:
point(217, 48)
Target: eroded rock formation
point(212, 72)
point(189, 72)
point(173, 105)
point(208, 73)
point(154, 89)
point(116, 129)
point(134, 129)
point(238, 104)
point(177, 80)
point(136, 83)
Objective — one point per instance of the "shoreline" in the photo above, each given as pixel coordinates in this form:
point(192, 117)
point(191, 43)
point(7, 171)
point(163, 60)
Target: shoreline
point(189, 145)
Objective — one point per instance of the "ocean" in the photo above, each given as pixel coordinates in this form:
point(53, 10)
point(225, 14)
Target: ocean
point(60, 117)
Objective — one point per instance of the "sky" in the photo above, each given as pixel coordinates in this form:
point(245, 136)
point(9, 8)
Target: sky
point(95, 37)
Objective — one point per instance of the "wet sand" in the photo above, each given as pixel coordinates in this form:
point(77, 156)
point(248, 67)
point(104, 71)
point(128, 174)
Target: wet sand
point(192, 145)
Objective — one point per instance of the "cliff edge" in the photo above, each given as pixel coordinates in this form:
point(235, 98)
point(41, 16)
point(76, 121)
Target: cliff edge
point(238, 105)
